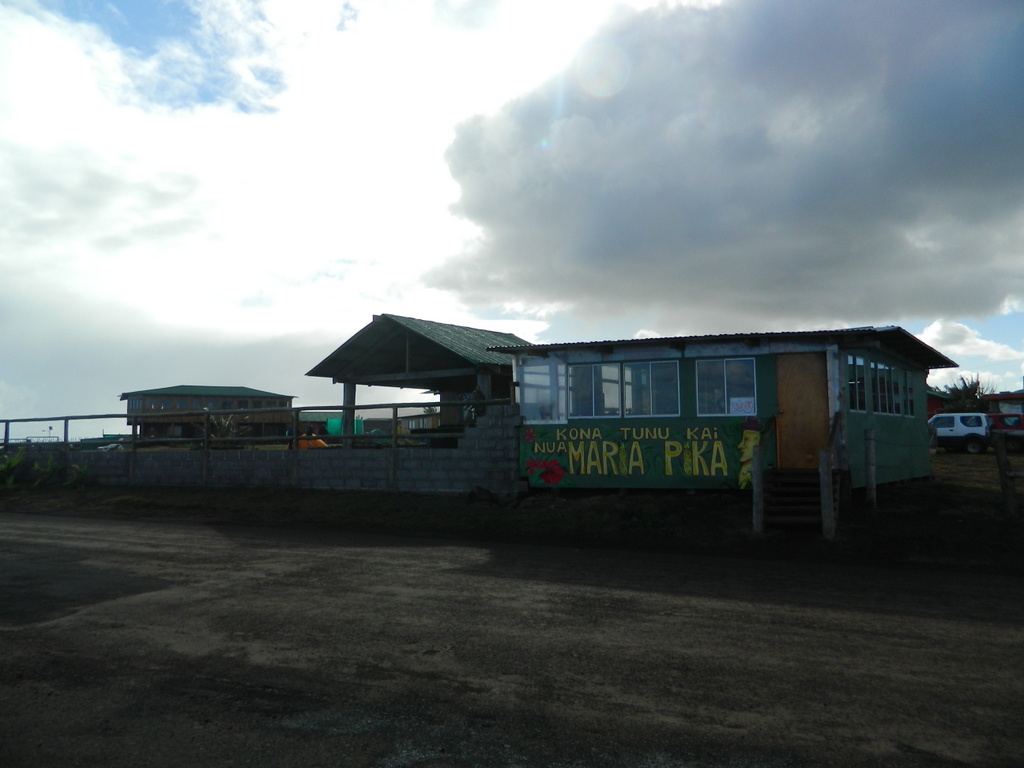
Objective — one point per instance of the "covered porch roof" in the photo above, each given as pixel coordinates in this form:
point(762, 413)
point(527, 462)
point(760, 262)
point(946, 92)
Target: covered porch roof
point(394, 351)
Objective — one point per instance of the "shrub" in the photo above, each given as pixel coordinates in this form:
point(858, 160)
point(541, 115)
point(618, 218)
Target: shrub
point(46, 475)
point(9, 464)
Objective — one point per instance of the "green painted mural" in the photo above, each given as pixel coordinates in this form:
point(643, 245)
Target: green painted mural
point(657, 453)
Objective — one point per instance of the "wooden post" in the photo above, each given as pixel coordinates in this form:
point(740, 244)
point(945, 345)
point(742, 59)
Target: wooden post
point(205, 468)
point(293, 463)
point(828, 505)
point(348, 416)
point(842, 457)
point(1006, 474)
point(132, 454)
point(393, 458)
point(869, 468)
point(757, 483)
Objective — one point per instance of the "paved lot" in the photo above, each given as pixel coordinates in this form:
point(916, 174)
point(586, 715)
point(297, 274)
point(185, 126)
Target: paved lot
point(162, 643)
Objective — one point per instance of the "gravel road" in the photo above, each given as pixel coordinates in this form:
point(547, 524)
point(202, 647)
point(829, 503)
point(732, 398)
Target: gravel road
point(171, 643)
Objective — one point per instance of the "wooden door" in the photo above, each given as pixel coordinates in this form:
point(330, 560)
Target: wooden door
point(802, 422)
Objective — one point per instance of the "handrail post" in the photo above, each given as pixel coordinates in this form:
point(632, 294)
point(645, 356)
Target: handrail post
point(1006, 474)
point(757, 482)
point(869, 468)
point(206, 448)
point(828, 505)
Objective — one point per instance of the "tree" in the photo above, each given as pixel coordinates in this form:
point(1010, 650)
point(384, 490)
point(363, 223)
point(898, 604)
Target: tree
point(965, 396)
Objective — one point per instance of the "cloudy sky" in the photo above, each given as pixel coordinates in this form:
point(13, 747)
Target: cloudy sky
point(223, 191)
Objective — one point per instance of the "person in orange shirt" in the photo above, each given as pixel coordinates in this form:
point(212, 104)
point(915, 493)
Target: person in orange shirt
point(310, 440)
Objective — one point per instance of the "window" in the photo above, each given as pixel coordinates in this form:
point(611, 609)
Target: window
point(542, 391)
point(594, 390)
point(855, 382)
point(974, 422)
point(726, 387)
point(550, 391)
point(880, 387)
point(650, 389)
point(892, 390)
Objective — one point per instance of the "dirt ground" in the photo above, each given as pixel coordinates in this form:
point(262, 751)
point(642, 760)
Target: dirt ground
point(150, 640)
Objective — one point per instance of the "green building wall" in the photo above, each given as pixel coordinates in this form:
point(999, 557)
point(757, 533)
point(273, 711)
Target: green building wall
point(713, 452)
point(901, 441)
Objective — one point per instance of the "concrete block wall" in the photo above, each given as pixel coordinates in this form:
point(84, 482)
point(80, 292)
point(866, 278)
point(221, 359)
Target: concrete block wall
point(486, 457)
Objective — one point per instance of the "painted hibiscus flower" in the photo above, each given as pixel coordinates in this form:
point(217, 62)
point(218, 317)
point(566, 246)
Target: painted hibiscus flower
point(551, 472)
point(529, 435)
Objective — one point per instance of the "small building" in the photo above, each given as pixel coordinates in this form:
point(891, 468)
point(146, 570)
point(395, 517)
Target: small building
point(937, 401)
point(452, 361)
point(179, 412)
point(1005, 402)
point(419, 422)
point(687, 412)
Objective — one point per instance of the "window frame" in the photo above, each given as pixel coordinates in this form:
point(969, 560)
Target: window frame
point(577, 368)
point(909, 408)
point(856, 383)
point(654, 400)
point(543, 390)
point(726, 398)
point(892, 390)
point(600, 408)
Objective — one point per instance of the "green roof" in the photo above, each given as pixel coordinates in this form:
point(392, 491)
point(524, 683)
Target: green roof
point(403, 351)
point(190, 390)
point(472, 344)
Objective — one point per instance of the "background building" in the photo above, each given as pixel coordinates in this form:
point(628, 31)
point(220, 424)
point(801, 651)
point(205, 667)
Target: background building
point(180, 412)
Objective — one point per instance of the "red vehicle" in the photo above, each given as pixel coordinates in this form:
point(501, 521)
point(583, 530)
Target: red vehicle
point(1010, 424)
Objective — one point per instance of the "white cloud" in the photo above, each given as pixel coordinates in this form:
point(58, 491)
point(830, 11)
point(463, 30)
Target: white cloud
point(978, 356)
point(205, 214)
point(766, 165)
point(958, 339)
point(229, 203)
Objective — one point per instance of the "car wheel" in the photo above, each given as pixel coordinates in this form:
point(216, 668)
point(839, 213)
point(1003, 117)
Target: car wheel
point(1014, 445)
point(974, 446)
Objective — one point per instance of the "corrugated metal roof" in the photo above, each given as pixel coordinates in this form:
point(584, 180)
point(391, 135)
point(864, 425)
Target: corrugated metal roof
point(472, 344)
point(191, 390)
point(407, 352)
point(895, 338)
